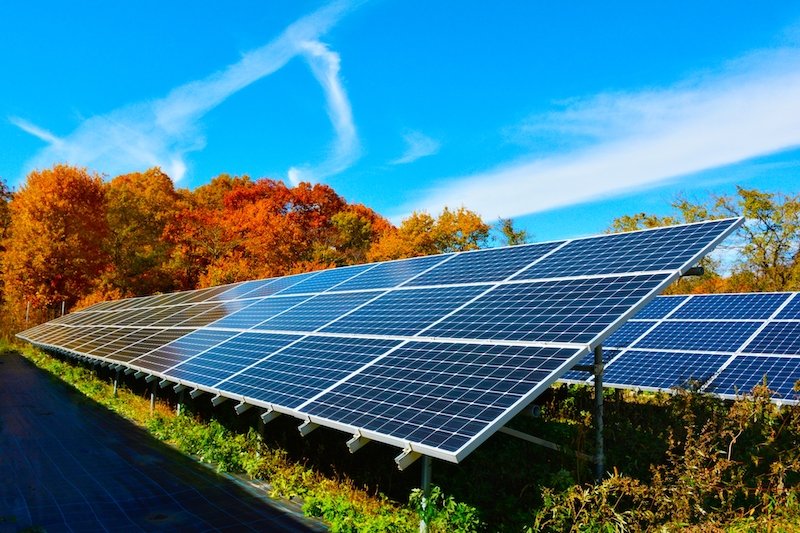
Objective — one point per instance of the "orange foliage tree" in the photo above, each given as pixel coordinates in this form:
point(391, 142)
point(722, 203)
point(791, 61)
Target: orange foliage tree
point(55, 248)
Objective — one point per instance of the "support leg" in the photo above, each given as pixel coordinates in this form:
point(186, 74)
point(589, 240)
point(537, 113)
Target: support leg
point(427, 471)
point(153, 398)
point(180, 402)
point(598, 412)
point(116, 383)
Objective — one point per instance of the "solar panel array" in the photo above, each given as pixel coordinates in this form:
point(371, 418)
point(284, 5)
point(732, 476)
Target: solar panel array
point(432, 354)
point(724, 344)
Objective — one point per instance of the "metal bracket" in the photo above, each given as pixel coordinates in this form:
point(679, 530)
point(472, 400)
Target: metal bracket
point(150, 378)
point(179, 387)
point(164, 383)
point(307, 427)
point(103, 364)
point(544, 443)
point(269, 415)
point(242, 407)
point(216, 400)
point(195, 393)
point(139, 374)
point(129, 371)
point(407, 457)
point(357, 442)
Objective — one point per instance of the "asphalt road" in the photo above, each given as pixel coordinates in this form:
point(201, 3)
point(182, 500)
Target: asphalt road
point(69, 464)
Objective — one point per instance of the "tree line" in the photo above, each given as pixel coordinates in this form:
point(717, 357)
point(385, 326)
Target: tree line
point(69, 237)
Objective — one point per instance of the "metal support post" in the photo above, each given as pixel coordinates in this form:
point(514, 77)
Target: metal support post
point(427, 472)
point(116, 383)
point(598, 411)
point(262, 426)
point(180, 402)
point(153, 397)
point(27, 313)
point(63, 302)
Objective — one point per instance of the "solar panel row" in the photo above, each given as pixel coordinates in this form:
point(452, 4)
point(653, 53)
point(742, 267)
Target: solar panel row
point(721, 343)
point(432, 354)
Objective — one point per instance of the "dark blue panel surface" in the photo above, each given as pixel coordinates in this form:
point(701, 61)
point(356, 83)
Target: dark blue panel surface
point(588, 360)
point(776, 338)
point(553, 311)
point(218, 312)
point(436, 393)
point(663, 370)
point(306, 368)
point(703, 336)
point(792, 309)
point(316, 312)
point(257, 312)
point(391, 274)
point(628, 333)
point(484, 265)
point(660, 307)
point(224, 360)
point(278, 284)
point(747, 371)
point(404, 312)
point(241, 289)
point(182, 349)
point(326, 279)
point(730, 306)
point(637, 251)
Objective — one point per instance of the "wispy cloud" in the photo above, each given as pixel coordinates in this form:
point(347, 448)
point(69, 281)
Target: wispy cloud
point(346, 148)
point(626, 141)
point(419, 145)
point(161, 132)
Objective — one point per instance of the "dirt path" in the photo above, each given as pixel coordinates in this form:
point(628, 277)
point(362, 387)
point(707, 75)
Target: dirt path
point(68, 464)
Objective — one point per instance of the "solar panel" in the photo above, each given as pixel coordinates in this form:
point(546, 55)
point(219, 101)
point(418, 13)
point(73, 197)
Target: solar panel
point(731, 306)
point(746, 371)
point(663, 370)
point(432, 354)
point(703, 335)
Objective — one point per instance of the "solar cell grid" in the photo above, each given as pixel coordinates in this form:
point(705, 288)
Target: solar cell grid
point(277, 285)
point(404, 312)
point(494, 264)
point(155, 314)
point(628, 333)
point(436, 393)
point(72, 338)
point(747, 371)
point(549, 311)
point(257, 312)
point(218, 312)
point(316, 312)
point(53, 335)
point(182, 313)
point(206, 294)
point(110, 335)
point(181, 349)
point(156, 339)
point(649, 250)
point(325, 280)
point(238, 289)
point(731, 306)
point(221, 362)
point(702, 336)
point(131, 337)
point(305, 368)
point(660, 307)
point(663, 370)
point(391, 274)
point(776, 338)
point(792, 309)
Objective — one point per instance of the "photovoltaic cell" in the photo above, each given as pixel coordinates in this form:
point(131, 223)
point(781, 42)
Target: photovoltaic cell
point(258, 312)
point(776, 338)
point(157, 339)
point(660, 249)
point(404, 312)
point(240, 290)
point(792, 309)
point(182, 349)
point(111, 335)
point(277, 285)
point(628, 333)
point(703, 336)
point(218, 312)
point(663, 370)
point(235, 355)
point(316, 312)
point(182, 313)
point(325, 280)
point(436, 393)
point(131, 337)
point(484, 265)
point(391, 274)
point(731, 306)
point(550, 311)
point(747, 371)
point(305, 368)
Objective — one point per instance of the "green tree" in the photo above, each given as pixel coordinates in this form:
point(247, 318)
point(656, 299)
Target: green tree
point(510, 235)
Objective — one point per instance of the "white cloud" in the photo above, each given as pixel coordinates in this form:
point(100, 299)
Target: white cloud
point(629, 141)
point(162, 132)
point(346, 148)
point(419, 145)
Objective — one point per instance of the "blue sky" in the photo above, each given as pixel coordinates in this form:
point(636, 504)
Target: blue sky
point(562, 115)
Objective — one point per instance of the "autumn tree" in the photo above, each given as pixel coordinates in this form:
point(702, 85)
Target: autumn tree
point(140, 205)
point(5, 224)
point(58, 228)
point(421, 234)
point(510, 235)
